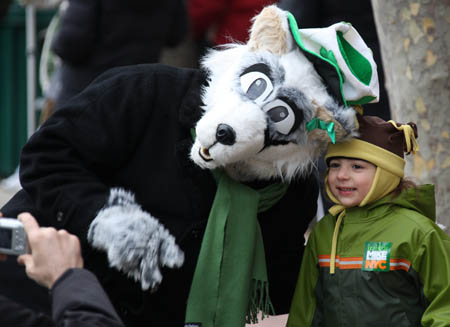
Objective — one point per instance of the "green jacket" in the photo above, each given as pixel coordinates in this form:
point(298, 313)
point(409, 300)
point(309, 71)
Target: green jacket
point(392, 267)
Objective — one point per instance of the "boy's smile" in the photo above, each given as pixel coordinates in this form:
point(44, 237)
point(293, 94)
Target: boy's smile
point(350, 180)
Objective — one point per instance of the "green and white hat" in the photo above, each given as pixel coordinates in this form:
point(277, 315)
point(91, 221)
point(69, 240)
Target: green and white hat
point(342, 59)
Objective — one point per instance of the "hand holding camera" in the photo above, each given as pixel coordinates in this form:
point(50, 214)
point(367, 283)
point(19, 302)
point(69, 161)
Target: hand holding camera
point(52, 251)
point(13, 239)
point(5, 238)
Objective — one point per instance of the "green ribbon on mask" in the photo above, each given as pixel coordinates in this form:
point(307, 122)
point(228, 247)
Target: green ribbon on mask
point(320, 124)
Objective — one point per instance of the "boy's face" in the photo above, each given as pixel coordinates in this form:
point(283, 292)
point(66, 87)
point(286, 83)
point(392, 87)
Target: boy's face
point(350, 180)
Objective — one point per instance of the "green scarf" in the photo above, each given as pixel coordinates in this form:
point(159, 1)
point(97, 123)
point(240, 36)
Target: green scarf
point(230, 282)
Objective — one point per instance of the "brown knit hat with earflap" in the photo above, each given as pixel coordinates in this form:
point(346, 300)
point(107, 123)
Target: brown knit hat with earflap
point(380, 142)
point(387, 135)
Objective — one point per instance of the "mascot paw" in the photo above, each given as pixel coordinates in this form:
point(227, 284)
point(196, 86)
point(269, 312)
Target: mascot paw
point(135, 242)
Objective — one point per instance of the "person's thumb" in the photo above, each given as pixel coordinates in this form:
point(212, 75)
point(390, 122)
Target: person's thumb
point(25, 259)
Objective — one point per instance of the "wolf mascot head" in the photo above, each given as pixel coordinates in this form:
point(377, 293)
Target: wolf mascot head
point(264, 97)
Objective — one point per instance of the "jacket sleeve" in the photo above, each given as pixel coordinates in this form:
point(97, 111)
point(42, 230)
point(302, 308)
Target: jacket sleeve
point(306, 13)
point(432, 262)
point(204, 13)
point(77, 31)
point(68, 164)
point(80, 301)
point(178, 25)
point(304, 303)
point(18, 315)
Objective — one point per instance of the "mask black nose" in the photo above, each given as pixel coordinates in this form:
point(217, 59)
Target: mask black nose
point(225, 134)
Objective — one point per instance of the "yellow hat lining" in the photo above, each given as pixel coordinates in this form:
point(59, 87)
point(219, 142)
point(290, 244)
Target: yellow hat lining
point(376, 155)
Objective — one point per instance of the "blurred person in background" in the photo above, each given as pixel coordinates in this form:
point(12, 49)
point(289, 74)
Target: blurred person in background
point(222, 21)
point(4, 6)
point(96, 35)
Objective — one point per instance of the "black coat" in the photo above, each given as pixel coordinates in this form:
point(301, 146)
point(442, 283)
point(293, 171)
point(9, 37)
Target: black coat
point(96, 35)
point(4, 7)
point(15, 314)
point(132, 128)
point(78, 300)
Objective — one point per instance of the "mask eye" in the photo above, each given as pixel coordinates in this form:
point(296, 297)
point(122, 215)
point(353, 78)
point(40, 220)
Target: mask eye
point(282, 116)
point(278, 114)
point(256, 84)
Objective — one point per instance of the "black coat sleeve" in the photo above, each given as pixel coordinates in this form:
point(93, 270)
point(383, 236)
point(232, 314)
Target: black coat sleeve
point(4, 7)
point(69, 165)
point(18, 315)
point(283, 227)
point(80, 301)
point(306, 13)
point(178, 25)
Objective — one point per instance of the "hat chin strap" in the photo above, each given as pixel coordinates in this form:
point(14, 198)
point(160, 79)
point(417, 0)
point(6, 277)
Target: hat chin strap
point(411, 143)
point(383, 183)
point(334, 210)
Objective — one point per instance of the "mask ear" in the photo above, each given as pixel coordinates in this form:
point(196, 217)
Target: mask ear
point(332, 125)
point(270, 32)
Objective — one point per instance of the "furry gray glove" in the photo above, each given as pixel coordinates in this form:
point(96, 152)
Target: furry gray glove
point(135, 242)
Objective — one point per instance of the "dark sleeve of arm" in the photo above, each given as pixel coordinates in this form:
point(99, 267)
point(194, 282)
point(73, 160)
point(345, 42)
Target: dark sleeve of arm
point(17, 315)
point(79, 301)
point(4, 7)
point(306, 13)
point(284, 239)
point(304, 306)
point(432, 262)
point(203, 14)
point(77, 31)
point(179, 24)
point(68, 164)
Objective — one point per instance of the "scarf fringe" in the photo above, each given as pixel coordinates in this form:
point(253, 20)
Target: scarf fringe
point(259, 302)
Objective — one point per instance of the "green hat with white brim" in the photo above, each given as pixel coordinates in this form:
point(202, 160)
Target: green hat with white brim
point(342, 59)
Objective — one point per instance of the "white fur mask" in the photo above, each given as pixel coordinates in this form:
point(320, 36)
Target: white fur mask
point(259, 99)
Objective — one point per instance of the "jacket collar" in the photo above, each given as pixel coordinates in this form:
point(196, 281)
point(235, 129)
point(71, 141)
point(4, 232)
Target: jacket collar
point(191, 107)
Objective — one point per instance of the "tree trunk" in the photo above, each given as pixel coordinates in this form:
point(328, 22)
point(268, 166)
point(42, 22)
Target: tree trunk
point(415, 47)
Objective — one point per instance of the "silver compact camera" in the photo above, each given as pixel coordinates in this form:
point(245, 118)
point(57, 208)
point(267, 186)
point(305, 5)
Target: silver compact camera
point(13, 239)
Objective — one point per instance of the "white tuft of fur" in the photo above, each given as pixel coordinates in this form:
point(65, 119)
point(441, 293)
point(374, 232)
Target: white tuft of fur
point(443, 227)
point(135, 242)
point(347, 118)
point(301, 75)
point(269, 31)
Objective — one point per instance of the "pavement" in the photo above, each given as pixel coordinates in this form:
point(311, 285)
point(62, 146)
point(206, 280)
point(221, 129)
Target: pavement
point(274, 321)
point(6, 193)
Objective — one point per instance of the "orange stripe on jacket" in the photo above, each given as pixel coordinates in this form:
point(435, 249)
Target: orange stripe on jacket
point(356, 263)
